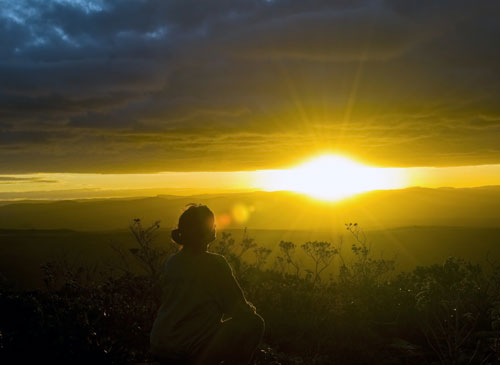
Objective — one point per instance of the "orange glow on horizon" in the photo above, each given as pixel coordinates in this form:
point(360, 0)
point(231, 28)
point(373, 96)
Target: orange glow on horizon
point(326, 177)
point(331, 177)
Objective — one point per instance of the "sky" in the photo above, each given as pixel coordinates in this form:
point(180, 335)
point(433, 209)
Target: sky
point(141, 87)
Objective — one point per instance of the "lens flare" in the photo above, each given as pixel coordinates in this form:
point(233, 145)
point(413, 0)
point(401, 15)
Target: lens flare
point(240, 213)
point(223, 220)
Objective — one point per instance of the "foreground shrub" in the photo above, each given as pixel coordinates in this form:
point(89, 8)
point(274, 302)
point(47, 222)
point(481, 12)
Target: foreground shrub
point(328, 309)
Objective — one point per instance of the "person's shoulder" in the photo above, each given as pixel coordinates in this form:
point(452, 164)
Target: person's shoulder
point(173, 257)
point(218, 260)
point(171, 260)
point(215, 257)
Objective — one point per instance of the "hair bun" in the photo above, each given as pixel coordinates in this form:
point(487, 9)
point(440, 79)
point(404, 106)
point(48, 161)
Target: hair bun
point(176, 236)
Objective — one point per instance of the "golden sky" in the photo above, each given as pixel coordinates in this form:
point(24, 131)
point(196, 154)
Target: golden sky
point(70, 185)
point(166, 95)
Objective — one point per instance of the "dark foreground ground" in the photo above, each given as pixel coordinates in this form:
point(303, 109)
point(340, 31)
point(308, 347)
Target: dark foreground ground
point(323, 302)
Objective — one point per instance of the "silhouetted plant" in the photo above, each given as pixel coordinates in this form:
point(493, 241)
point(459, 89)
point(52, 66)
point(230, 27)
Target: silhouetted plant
point(149, 257)
point(288, 261)
point(452, 300)
point(363, 313)
point(364, 269)
point(322, 254)
point(224, 245)
point(261, 256)
point(247, 243)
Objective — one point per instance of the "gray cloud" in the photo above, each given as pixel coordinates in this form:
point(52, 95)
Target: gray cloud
point(121, 86)
point(17, 180)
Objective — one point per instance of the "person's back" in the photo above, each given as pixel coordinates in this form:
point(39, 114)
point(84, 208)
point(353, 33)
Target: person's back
point(198, 288)
point(192, 302)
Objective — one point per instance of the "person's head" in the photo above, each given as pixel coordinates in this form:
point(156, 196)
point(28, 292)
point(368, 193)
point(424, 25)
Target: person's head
point(196, 227)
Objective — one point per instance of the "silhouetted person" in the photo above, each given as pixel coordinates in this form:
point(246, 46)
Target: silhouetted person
point(198, 289)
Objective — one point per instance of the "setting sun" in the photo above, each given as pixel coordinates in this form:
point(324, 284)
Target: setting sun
point(331, 177)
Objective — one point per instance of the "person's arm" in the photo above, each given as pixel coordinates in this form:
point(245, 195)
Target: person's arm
point(230, 295)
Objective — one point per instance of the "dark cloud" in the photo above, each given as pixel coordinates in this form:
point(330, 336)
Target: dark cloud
point(21, 180)
point(122, 86)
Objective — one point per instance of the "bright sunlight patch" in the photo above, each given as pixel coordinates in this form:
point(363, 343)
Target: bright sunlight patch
point(331, 177)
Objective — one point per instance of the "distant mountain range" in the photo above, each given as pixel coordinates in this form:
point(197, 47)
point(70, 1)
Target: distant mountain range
point(476, 207)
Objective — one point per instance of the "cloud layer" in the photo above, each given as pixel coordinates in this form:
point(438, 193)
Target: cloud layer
point(145, 86)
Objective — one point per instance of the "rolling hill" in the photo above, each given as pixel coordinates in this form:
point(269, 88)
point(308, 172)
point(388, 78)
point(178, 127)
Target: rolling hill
point(383, 209)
